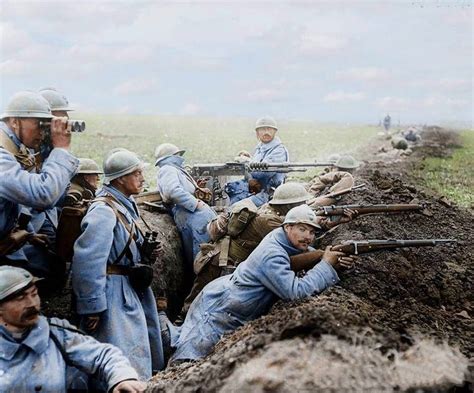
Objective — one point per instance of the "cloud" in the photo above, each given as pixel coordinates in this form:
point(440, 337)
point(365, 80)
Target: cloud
point(444, 84)
point(316, 44)
point(265, 95)
point(190, 109)
point(13, 68)
point(342, 97)
point(364, 74)
point(136, 86)
point(389, 103)
point(440, 101)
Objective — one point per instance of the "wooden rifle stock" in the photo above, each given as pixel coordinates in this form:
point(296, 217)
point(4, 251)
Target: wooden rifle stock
point(356, 247)
point(306, 260)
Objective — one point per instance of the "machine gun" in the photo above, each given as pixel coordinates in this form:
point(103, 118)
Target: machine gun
point(214, 173)
point(366, 209)
point(309, 259)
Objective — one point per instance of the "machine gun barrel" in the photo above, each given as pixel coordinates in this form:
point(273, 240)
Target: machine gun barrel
point(273, 166)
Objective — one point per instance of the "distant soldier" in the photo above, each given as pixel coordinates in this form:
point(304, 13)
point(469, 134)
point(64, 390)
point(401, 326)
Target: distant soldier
point(265, 276)
point(270, 149)
point(42, 354)
point(387, 121)
point(86, 182)
point(111, 285)
point(186, 198)
point(24, 179)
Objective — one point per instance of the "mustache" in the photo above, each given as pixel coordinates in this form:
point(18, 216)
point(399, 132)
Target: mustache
point(30, 312)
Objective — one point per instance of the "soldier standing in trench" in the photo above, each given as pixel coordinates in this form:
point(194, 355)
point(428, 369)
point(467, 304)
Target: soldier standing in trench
point(111, 285)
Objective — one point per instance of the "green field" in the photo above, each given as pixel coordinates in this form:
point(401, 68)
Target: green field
point(211, 139)
point(453, 176)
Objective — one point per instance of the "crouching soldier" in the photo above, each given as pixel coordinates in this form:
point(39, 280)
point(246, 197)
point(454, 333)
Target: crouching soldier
point(266, 276)
point(109, 279)
point(38, 354)
point(190, 213)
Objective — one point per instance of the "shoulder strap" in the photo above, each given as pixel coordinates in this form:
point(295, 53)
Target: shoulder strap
point(28, 161)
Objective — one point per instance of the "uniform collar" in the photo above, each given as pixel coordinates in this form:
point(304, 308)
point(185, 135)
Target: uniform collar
point(37, 340)
point(127, 203)
point(10, 134)
point(279, 235)
point(174, 160)
point(270, 145)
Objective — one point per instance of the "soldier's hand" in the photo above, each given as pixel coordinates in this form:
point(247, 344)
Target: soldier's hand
point(39, 239)
point(338, 260)
point(60, 133)
point(349, 215)
point(129, 386)
point(91, 323)
point(202, 182)
point(200, 204)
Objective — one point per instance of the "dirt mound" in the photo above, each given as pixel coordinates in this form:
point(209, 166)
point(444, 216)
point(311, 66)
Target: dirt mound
point(395, 323)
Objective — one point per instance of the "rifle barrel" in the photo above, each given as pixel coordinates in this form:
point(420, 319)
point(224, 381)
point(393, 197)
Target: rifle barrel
point(335, 210)
point(365, 246)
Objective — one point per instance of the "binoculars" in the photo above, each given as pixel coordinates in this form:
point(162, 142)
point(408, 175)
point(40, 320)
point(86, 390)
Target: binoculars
point(75, 125)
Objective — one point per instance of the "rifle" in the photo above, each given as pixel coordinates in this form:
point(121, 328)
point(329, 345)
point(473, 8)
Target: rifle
point(17, 237)
point(309, 259)
point(366, 209)
point(244, 169)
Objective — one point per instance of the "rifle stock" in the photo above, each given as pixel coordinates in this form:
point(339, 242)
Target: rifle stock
point(306, 260)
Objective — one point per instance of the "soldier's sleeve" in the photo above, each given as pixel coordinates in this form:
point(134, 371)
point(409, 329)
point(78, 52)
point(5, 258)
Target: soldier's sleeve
point(173, 191)
point(38, 190)
point(218, 226)
point(278, 277)
point(105, 361)
point(91, 253)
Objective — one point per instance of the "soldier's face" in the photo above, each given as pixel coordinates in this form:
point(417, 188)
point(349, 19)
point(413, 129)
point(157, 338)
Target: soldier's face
point(21, 312)
point(265, 134)
point(133, 183)
point(301, 236)
point(93, 179)
point(28, 131)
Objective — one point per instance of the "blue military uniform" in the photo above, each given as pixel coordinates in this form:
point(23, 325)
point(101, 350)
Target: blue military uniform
point(36, 362)
point(128, 319)
point(34, 190)
point(271, 152)
point(177, 188)
point(230, 301)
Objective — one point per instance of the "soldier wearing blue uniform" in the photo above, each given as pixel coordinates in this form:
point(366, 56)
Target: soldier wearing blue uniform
point(25, 179)
point(179, 189)
point(115, 306)
point(40, 354)
point(270, 149)
point(264, 277)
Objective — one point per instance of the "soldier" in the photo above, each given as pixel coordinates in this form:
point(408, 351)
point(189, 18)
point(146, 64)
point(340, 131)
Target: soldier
point(264, 277)
point(84, 185)
point(24, 181)
point(37, 353)
point(113, 298)
point(338, 179)
point(269, 149)
point(177, 188)
point(226, 252)
point(387, 121)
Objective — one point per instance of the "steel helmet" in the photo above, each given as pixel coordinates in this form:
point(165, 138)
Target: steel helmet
point(266, 121)
point(13, 280)
point(302, 214)
point(27, 104)
point(57, 101)
point(120, 163)
point(333, 158)
point(289, 193)
point(88, 166)
point(166, 150)
point(347, 162)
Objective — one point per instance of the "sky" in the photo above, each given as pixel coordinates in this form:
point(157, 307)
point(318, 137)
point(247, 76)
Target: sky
point(329, 61)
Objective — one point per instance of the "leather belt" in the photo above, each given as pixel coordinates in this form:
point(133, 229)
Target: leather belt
point(118, 270)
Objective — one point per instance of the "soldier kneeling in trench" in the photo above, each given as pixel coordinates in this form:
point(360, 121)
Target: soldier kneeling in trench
point(42, 354)
point(264, 277)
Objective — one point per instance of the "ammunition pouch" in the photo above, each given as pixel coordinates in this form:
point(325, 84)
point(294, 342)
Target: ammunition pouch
point(140, 275)
point(241, 215)
point(204, 194)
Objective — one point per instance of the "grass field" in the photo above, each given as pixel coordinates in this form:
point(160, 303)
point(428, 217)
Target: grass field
point(211, 139)
point(453, 176)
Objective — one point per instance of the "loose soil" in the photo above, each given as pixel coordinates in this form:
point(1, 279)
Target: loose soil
point(400, 321)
